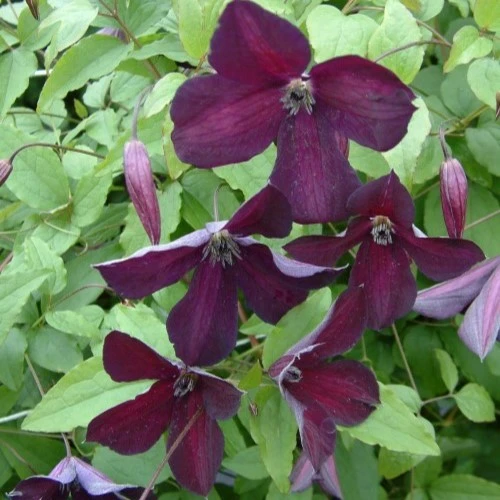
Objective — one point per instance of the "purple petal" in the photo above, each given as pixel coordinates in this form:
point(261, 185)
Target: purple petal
point(251, 45)
point(328, 478)
point(135, 426)
point(481, 324)
point(441, 258)
point(311, 169)
point(384, 196)
point(450, 297)
point(368, 103)
point(39, 488)
point(218, 121)
point(127, 359)
point(156, 267)
point(272, 284)
point(326, 250)
point(454, 189)
point(64, 471)
point(198, 456)
point(204, 324)
point(389, 286)
point(267, 213)
point(302, 474)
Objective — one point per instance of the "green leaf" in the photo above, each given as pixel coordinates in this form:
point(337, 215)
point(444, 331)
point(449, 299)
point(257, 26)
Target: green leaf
point(393, 426)
point(48, 186)
point(332, 34)
point(82, 323)
point(234, 441)
point(468, 44)
point(368, 161)
point(274, 430)
point(295, 325)
point(78, 397)
point(397, 29)
point(12, 359)
point(484, 143)
point(449, 372)
point(275, 494)
point(16, 67)
point(487, 14)
point(252, 378)
point(91, 58)
point(462, 6)
point(429, 9)
point(15, 290)
point(175, 166)
point(57, 231)
point(248, 463)
point(475, 403)
point(392, 464)
point(163, 92)
point(456, 94)
point(483, 77)
point(464, 487)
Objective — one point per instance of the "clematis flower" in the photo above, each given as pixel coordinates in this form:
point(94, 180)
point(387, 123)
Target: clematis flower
point(74, 477)
point(203, 325)
point(479, 290)
point(323, 394)
point(383, 214)
point(185, 400)
point(303, 475)
point(262, 93)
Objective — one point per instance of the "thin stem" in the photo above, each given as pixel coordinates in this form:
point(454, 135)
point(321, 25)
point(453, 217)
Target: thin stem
point(426, 190)
point(403, 356)
point(407, 46)
point(215, 202)
point(52, 115)
point(54, 146)
point(174, 446)
point(349, 6)
point(244, 318)
point(14, 416)
point(437, 398)
point(442, 141)
point(18, 456)
point(482, 219)
point(137, 108)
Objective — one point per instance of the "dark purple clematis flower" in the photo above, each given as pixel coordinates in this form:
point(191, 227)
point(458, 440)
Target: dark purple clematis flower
point(479, 290)
point(181, 397)
point(262, 93)
point(383, 214)
point(303, 475)
point(203, 325)
point(323, 394)
point(74, 477)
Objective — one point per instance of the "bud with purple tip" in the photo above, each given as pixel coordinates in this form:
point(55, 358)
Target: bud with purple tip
point(141, 188)
point(5, 170)
point(33, 7)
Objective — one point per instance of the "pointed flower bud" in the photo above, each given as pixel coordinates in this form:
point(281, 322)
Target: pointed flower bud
point(5, 170)
point(453, 185)
point(33, 7)
point(141, 188)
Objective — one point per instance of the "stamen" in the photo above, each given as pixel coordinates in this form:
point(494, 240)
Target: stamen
point(184, 384)
point(293, 374)
point(222, 248)
point(382, 230)
point(298, 94)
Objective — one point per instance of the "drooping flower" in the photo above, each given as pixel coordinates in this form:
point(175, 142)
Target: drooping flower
point(303, 475)
point(383, 214)
point(203, 325)
point(186, 400)
point(72, 476)
point(262, 93)
point(479, 290)
point(323, 394)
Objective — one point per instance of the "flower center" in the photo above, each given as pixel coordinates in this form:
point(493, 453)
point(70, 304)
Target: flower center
point(293, 374)
point(184, 384)
point(222, 248)
point(298, 94)
point(382, 230)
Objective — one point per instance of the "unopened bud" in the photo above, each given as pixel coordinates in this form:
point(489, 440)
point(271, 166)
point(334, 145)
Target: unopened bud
point(5, 170)
point(33, 7)
point(114, 32)
point(453, 185)
point(497, 113)
point(141, 188)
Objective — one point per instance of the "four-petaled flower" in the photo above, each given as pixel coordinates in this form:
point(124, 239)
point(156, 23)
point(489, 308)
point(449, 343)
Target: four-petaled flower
point(72, 476)
point(262, 93)
point(383, 214)
point(203, 325)
point(479, 290)
point(323, 394)
point(181, 398)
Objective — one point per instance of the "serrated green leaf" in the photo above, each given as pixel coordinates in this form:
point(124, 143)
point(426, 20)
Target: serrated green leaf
point(464, 487)
point(449, 372)
point(487, 14)
point(78, 397)
point(475, 403)
point(484, 77)
point(468, 44)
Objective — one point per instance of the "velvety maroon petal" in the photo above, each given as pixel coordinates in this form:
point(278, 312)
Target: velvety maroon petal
point(311, 170)
point(156, 267)
point(368, 102)
point(384, 196)
point(127, 359)
point(450, 297)
point(197, 458)
point(389, 286)
point(39, 488)
point(481, 324)
point(252, 45)
point(326, 250)
point(272, 285)
point(134, 426)
point(267, 213)
point(204, 324)
point(441, 258)
point(218, 121)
